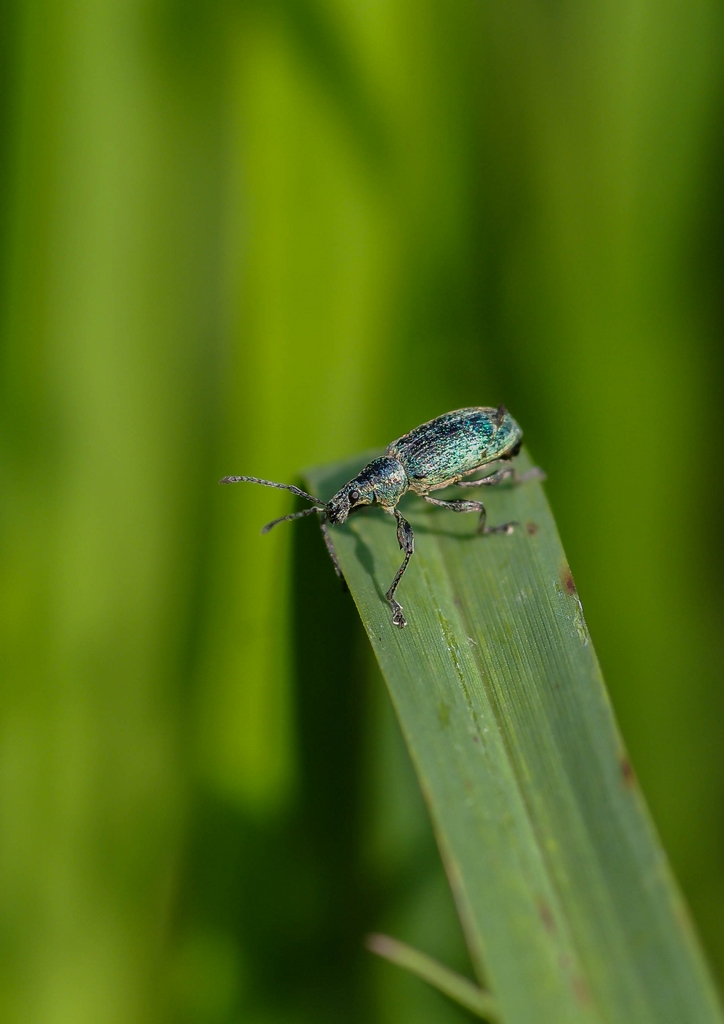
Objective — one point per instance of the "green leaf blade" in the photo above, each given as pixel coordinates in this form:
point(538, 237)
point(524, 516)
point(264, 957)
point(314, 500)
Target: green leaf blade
point(564, 892)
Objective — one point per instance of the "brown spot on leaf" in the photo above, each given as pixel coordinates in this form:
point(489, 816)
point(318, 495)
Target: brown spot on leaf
point(567, 580)
point(580, 990)
point(629, 775)
point(546, 916)
point(531, 528)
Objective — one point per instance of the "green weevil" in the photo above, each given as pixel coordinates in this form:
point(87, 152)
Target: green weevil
point(437, 454)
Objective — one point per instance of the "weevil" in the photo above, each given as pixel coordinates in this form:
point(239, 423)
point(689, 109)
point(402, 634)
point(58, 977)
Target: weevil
point(437, 454)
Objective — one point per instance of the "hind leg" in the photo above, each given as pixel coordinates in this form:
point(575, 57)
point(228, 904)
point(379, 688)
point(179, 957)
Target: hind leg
point(501, 475)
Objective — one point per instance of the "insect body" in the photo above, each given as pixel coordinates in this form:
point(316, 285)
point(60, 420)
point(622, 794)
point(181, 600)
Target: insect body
point(441, 453)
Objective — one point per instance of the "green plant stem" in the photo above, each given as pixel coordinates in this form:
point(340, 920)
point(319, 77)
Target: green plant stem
point(450, 983)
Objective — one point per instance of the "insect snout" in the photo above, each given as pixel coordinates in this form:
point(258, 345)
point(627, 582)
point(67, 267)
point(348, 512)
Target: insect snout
point(336, 513)
point(339, 509)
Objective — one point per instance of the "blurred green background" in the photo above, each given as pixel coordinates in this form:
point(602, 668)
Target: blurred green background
point(247, 237)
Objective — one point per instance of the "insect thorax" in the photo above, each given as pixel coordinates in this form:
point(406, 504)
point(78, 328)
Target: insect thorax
point(385, 478)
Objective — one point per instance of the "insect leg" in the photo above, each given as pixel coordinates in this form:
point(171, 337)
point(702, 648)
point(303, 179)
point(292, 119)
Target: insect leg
point(457, 505)
point(330, 547)
point(501, 475)
point(472, 506)
point(406, 541)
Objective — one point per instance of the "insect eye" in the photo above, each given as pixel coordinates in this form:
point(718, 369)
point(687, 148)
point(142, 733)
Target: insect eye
point(354, 496)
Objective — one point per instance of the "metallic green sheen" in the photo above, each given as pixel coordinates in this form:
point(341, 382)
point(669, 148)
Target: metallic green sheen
point(438, 453)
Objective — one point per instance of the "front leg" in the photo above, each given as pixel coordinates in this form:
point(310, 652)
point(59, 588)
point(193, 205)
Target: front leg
point(472, 506)
point(406, 540)
point(330, 548)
